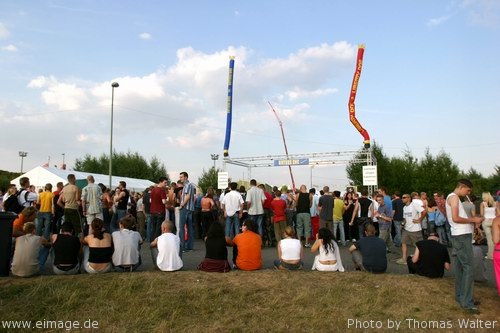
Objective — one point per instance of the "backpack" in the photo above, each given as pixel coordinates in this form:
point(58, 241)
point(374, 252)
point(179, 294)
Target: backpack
point(440, 219)
point(12, 203)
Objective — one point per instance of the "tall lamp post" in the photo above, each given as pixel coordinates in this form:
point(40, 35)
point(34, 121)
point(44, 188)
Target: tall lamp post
point(113, 86)
point(22, 154)
point(215, 157)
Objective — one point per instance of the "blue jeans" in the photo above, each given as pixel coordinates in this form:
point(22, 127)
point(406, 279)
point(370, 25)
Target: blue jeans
point(464, 270)
point(232, 225)
point(186, 218)
point(155, 225)
point(43, 254)
point(340, 225)
point(149, 228)
point(397, 227)
point(258, 220)
point(43, 225)
point(120, 213)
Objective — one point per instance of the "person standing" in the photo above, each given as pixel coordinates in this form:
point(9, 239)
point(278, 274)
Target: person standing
point(462, 229)
point(157, 207)
point(398, 216)
point(46, 212)
point(121, 201)
point(70, 201)
point(186, 212)
point(488, 210)
point(91, 202)
point(413, 213)
point(255, 199)
point(496, 255)
point(278, 207)
point(303, 207)
point(232, 205)
point(338, 223)
point(325, 208)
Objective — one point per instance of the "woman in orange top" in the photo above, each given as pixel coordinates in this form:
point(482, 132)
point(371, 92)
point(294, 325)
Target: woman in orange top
point(27, 215)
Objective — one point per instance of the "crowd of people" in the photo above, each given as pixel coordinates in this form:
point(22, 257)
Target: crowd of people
point(97, 230)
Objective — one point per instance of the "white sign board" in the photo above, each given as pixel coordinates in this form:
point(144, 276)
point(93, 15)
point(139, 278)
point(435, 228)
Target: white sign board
point(370, 175)
point(222, 180)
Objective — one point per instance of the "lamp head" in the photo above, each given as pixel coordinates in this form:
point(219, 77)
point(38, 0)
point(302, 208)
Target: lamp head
point(115, 85)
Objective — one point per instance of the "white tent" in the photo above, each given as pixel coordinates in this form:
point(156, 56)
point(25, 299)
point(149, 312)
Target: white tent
point(40, 176)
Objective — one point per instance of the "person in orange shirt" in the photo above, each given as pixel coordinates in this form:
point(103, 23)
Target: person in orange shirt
point(247, 251)
point(27, 215)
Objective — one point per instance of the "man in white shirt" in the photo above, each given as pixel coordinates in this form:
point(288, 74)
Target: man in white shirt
point(232, 204)
point(127, 243)
point(168, 249)
point(462, 229)
point(412, 230)
point(91, 201)
point(255, 204)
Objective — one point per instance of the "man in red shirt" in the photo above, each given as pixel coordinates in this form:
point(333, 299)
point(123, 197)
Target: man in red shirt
point(278, 207)
point(157, 208)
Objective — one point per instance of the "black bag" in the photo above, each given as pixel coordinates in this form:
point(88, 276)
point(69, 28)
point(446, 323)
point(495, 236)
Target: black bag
point(12, 203)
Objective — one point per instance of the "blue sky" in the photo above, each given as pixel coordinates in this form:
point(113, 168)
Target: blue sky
point(430, 79)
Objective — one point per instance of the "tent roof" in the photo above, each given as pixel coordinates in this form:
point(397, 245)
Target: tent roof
point(40, 176)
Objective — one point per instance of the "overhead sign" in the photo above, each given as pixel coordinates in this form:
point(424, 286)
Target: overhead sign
point(298, 161)
point(370, 175)
point(222, 180)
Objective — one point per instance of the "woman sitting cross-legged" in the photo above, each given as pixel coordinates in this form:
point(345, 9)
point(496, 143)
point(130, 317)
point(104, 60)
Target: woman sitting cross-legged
point(216, 252)
point(328, 259)
point(290, 252)
point(97, 256)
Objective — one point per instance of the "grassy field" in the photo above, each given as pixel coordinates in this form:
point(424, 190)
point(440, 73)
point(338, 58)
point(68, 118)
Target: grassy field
point(264, 301)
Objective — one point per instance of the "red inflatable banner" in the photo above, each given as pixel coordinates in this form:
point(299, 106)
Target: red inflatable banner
point(354, 88)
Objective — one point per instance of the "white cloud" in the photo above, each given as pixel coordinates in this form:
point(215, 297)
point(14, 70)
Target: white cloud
point(65, 96)
point(10, 48)
point(145, 35)
point(433, 22)
point(298, 93)
point(4, 32)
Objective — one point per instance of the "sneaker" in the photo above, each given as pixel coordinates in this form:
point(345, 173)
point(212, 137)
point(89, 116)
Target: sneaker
point(353, 240)
point(401, 261)
point(472, 310)
point(307, 245)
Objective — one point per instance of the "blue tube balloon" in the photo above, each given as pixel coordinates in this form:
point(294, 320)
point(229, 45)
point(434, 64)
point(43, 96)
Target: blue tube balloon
point(229, 106)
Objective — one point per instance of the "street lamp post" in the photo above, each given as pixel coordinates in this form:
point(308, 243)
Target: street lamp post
point(113, 86)
point(22, 154)
point(312, 166)
point(215, 157)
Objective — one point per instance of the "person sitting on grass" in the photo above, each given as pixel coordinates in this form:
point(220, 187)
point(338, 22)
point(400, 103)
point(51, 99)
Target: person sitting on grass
point(216, 251)
point(369, 253)
point(328, 259)
point(98, 253)
point(28, 214)
point(166, 256)
point(127, 243)
point(290, 252)
point(247, 252)
point(67, 251)
point(30, 253)
point(430, 258)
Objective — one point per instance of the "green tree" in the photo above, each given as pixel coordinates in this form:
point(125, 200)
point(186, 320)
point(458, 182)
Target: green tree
point(494, 181)
point(208, 179)
point(6, 177)
point(355, 170)
point(436, 173)
point(127, 164)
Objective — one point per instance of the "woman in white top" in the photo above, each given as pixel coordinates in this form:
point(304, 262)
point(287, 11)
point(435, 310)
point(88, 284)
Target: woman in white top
point(488, 211)
point(328, 259)
point(290, 252)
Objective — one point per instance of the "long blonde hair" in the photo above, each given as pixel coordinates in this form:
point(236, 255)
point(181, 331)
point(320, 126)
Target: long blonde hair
point(488, 199)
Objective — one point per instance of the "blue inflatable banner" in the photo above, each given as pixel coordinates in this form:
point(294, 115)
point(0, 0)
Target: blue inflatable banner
point(229, 106)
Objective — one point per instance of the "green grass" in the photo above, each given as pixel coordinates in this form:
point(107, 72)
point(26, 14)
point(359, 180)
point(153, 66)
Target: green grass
point(263, 301)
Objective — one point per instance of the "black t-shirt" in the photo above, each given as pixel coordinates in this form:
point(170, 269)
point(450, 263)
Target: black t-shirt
point(216, 248)
point(66, 250)
point(364, 204)
point(432, 257)
point(303, 204)
point(123, 203)
point(145, 200)
point(374, 254)
point(398, 207)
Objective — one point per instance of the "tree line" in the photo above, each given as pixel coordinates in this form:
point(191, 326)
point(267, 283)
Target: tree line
point(431, 173)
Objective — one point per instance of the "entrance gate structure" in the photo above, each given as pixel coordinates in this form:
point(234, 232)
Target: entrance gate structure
point(364, 156)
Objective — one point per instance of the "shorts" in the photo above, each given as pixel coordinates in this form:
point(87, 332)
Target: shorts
point(411, 237)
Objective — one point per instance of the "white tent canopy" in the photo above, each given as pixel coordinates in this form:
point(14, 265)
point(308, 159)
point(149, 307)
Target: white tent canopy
point(40, 176)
